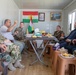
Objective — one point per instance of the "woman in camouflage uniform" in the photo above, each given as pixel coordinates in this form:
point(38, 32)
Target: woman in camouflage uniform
point(59, 34)
point(19, 34)
point(4, 58)
point(14, 52)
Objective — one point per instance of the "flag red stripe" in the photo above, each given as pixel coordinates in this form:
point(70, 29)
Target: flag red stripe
point(30, 13)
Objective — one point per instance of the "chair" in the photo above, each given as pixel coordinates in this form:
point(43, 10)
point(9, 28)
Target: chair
point(54, 59)
point(62, 63)
point(48, 51)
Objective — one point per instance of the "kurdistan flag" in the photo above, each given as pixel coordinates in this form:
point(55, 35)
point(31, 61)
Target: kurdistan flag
point(30, 27)
point(26, 16)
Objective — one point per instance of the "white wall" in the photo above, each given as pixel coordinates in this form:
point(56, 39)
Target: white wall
point(46, 25)
point(66, 11)
point(8, 10)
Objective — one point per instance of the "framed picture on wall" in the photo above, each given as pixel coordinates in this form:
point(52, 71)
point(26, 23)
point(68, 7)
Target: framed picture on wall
point(41, 16)
point(55, 16)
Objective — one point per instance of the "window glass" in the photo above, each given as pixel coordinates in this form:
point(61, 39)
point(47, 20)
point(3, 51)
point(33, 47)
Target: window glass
point(71, 20)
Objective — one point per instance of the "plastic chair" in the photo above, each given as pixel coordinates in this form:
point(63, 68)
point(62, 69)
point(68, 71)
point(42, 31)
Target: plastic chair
point(50, 49)
point(54, 59)
point(62, 63)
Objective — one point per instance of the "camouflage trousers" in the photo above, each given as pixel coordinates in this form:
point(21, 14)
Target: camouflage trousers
point(14, 52)
point(5, 57)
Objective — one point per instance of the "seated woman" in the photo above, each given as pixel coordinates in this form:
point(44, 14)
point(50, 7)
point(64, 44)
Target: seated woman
point(59, 34)
point(3, 53)
point(13, 51)
point(19, 33)
point(4, 58)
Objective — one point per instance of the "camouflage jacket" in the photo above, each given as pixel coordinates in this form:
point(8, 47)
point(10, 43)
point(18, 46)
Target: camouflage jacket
point(59, 34)
point(2, 39)
point(20, 35)
point(13, 49)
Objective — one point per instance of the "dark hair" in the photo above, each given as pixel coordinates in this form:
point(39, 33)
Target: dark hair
point(21, 22)
point(59, 26)
point(5, 21)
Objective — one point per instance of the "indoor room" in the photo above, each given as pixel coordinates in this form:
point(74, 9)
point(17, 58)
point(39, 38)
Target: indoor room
point(37, 37)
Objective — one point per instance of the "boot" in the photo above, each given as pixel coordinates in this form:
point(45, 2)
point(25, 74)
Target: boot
point(18, 64)
point(11, 67)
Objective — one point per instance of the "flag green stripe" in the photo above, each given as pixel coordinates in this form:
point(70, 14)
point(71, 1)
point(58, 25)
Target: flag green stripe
point(28, 20)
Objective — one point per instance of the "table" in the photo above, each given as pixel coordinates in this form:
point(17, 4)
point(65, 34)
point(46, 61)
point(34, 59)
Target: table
point(31, 39)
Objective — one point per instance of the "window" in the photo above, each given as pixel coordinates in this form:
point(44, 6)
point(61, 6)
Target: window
point(71, 20)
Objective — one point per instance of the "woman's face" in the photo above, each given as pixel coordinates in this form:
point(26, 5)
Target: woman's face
point(58, 28)
point(22, 25)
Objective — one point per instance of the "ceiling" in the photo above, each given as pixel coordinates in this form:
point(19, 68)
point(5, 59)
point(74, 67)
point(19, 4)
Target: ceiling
point(42, 4)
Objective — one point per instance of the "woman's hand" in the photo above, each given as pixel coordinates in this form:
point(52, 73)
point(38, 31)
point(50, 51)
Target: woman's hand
point(16, 32)
point(68, 40)
point(61, 38)
point(7, 41)
point(3, 46)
